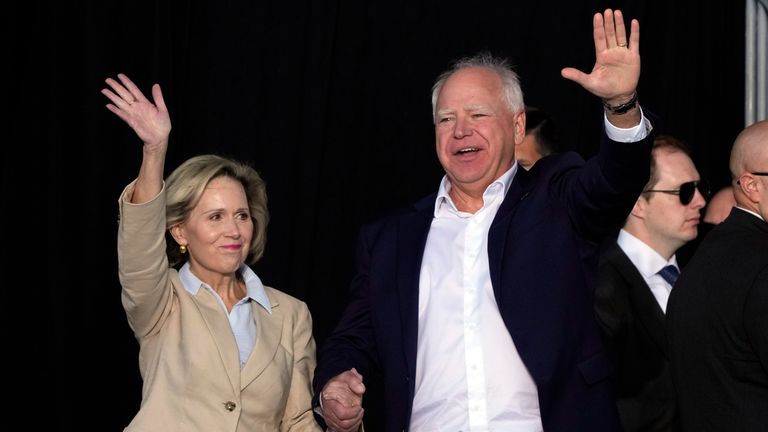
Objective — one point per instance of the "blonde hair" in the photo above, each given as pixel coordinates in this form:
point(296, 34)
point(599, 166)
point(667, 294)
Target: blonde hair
point(186, 185)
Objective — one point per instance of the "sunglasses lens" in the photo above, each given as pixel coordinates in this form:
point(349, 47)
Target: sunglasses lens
point(686, 192)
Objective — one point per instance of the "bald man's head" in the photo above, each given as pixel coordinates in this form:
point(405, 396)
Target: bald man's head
point(749, 168)
point(750, 150)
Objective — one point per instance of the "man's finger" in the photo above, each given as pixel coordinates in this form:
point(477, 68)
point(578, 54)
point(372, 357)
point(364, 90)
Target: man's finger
point(345, 398)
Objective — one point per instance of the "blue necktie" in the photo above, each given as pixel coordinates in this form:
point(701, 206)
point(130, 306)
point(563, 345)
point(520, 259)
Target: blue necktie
point(670, 274)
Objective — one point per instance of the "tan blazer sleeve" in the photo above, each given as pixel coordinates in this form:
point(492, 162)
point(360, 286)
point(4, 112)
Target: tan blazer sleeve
point(142, 262)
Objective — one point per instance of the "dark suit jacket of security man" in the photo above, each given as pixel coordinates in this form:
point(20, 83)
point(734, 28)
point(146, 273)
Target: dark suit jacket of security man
point(636, 341)
point(717, 329)
point(537, 253)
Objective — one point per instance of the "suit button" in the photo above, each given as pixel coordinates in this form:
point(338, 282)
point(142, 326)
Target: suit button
point(230, 406)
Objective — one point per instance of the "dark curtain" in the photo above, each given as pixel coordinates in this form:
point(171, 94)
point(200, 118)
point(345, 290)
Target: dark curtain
point(329, 100)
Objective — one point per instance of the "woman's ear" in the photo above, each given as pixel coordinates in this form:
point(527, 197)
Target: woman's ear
point(177, 232)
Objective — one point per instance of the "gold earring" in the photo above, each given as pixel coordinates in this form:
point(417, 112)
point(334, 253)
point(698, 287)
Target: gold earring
point(182, 249)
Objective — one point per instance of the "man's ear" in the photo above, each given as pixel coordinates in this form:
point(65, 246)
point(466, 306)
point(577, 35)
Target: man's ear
point(748, 185)
point(519, 126)
point(638, 210)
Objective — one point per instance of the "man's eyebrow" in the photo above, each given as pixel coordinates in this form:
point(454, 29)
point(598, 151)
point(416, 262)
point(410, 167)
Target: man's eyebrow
point(473, 107)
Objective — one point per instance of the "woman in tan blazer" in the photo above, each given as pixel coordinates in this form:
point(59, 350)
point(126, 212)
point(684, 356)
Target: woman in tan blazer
point(219, 351)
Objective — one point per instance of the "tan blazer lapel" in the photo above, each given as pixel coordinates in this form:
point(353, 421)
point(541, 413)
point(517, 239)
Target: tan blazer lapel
point(216, 319)
point(269, 330)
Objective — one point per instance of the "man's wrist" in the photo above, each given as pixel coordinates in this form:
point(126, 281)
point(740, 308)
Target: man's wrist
point(622, 108)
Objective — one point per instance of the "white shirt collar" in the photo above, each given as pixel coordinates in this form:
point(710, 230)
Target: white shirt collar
point(503, 182)
point(254, 288)
point(647, 261)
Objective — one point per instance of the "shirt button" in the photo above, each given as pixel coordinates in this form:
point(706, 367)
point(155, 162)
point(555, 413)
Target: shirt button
point(230, 406)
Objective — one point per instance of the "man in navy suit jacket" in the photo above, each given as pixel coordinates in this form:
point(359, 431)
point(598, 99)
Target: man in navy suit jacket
point(475, 303)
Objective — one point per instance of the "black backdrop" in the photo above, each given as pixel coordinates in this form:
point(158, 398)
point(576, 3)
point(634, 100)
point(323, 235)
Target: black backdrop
point(329, 100)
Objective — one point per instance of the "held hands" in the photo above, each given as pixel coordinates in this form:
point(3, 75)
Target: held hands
point(616, 72)
point(151, 122)
point(342, 401)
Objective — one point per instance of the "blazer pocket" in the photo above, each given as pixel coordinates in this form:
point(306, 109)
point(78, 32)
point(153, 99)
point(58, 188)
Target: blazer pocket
point(595, 368)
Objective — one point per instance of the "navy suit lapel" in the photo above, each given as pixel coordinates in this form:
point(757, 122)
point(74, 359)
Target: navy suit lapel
point(412, 237)
point(520, 188)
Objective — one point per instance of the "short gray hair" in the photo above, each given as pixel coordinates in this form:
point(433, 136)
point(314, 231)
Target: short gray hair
point(512, 93)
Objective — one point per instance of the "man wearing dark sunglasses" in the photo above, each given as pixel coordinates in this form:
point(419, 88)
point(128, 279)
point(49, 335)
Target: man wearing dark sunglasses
point(634, 280)
point(686, 191)
point(717, 318)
